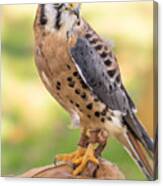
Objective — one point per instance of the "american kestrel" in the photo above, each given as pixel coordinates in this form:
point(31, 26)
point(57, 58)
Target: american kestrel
point(81, 72)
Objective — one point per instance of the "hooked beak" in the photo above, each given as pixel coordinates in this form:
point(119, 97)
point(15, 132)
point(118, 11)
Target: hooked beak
point(76, 11)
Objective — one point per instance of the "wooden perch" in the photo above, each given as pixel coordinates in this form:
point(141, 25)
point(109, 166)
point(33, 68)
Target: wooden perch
point(105, 170)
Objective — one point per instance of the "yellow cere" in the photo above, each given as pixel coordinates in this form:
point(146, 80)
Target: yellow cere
point(73, 5)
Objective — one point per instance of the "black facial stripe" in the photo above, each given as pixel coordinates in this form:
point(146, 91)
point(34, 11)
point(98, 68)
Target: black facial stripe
point(43, 19)
point(58, 19)
point(58, 5)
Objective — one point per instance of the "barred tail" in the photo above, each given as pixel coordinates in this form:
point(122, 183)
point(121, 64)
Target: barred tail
point(138, 153)
point(139, 132)
point(141, 157)
point(145, 139)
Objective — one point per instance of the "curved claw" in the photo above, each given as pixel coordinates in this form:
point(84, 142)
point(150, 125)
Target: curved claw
point(82, 161)
point(72, 156)
point(80, 158)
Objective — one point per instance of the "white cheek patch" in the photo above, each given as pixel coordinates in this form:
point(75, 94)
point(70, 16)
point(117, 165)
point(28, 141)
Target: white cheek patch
point(50, 13)
point(67, 21)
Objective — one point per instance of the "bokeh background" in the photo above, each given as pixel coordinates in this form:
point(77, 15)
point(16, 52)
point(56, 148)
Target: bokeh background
point(35, 127)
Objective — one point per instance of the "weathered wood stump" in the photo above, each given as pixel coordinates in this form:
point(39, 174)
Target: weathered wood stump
point(105, 170)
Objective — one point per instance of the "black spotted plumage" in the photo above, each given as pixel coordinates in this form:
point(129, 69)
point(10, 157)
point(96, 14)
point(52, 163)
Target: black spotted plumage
point(105, 86)
point(92, 69)
point(58, 20)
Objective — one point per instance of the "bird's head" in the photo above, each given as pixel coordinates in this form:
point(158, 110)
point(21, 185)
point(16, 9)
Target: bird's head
point(59, 16)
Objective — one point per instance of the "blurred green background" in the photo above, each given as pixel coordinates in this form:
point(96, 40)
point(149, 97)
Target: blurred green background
point(35, 127)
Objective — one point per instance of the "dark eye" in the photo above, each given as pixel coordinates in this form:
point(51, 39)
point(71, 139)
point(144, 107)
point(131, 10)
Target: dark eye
point(71, 5)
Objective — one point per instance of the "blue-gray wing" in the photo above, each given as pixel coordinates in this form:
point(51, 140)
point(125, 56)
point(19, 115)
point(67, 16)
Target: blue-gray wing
point(102, 82)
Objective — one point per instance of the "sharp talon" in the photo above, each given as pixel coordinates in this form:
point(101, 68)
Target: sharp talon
point(72, 156)
point(80, 158)
point(77, 161)
point(83, 161)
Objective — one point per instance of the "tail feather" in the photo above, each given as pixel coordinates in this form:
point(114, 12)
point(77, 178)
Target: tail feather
point(141, 157)
point(146, 140)
point(138, 153)
point(139, 132)
point(140, 144)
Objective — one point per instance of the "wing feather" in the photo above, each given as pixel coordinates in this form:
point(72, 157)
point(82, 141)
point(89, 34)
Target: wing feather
point(94, 73)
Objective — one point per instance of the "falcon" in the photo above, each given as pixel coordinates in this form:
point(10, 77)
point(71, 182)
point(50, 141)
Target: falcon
point(81, 72)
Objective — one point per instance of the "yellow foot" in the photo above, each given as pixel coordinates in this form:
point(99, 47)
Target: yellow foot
point(71, 157)
point(82, 161)
point(80, 158)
